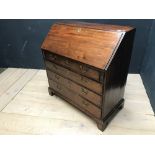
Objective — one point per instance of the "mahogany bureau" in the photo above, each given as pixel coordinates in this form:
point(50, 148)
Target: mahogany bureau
point(87, 65)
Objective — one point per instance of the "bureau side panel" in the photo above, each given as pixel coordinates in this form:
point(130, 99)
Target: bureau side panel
point(116, 74)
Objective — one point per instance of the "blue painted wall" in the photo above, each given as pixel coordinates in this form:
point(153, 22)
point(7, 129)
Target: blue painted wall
point(20, 41)
point(148, 66)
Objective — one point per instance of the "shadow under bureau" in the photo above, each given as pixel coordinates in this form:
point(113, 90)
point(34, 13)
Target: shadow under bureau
point(87, 65)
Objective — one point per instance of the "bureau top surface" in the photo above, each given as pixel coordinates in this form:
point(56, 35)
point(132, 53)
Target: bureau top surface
point(97, 26)
point(89, 43)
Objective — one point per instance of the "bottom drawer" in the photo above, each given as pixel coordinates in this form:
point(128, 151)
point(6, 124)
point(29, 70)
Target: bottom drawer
point(78, 100)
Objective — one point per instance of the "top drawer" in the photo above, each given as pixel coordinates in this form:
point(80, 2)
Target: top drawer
point(73, 65)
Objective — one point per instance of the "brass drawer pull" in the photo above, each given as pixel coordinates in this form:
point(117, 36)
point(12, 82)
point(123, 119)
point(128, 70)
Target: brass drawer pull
point(53, 57)
point(83, 69)
point(55, 67)
point(69, 83)
point(84, 91)
point(58, 87)
point(85, 103)
point(67, 62)
point(83, 79)
point(57, 76)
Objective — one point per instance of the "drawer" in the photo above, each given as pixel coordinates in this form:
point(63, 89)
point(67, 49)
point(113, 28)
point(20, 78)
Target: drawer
point(77, 100)
point(88, 83)
point(84, 92)
point(74, 66)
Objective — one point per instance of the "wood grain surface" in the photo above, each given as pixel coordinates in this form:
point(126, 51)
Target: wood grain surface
point(82, 91)
point(75, 99)
point(98, 26)
point(84, 81)
point(87, 45)
point(73, 65)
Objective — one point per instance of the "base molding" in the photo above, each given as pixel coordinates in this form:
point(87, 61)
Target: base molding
point(101, 123)
point(107, 119)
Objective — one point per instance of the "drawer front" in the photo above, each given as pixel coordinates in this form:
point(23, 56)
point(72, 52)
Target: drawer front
point(89, 95)
point(88, 83)
point(77, 100)
point(74, 66)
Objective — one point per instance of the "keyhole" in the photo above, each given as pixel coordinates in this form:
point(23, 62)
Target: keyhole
point(79, 30)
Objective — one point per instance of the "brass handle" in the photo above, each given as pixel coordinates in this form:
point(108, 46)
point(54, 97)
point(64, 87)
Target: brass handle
point(84, 91)
point(57, 76)
point(67, 62)
point(54, 66)
point(58, 87)
point(53, 57)
point(83, 79)
point(83, 69)
point(85, 103)
point(69, 83)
